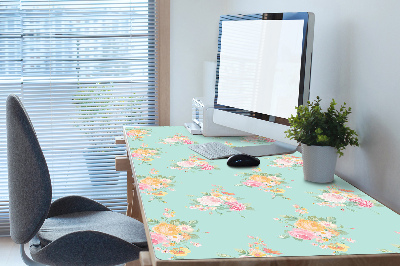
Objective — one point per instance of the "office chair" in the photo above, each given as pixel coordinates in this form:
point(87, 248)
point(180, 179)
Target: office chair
point(72, 230)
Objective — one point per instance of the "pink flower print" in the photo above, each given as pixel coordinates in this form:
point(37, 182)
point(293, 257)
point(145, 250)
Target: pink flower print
point(349, 239)
point(229, 198)
point(333, 197)
point(187, 164)
point(236, 206)
point(302, 234)
point(185, 228)
point(171, 140)
point(206, 167)
point(210, 201)
point(187, 141)
point(176, 238)
point(252, 183)
point(195, 244)
point(302, 211)
point(362, 203)
point(153, 171)
point(167, 214)
point(157, 238)
point(144, 186)
point(284, 162)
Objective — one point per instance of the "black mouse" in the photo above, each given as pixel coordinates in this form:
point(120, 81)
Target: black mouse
point(242, 160)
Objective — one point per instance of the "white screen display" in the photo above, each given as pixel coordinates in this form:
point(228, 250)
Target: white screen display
point(260, 63)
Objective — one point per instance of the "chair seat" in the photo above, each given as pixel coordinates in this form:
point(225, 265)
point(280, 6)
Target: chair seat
point(108, 222)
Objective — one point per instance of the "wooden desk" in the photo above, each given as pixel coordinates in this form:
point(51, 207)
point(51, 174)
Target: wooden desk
point(202, 212)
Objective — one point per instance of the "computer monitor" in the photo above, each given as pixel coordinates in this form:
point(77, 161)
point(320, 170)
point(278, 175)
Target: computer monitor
point(263, 73)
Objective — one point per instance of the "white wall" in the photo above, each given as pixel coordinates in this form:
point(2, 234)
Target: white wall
point(194, 40)
point(356, 59)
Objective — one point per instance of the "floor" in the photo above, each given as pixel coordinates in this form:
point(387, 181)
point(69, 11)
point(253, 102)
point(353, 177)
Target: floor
point(9, 253)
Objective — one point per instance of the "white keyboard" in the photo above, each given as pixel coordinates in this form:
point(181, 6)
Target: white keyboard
point(214, 150)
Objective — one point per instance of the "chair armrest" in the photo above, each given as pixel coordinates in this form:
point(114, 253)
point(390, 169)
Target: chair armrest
point(71, 204)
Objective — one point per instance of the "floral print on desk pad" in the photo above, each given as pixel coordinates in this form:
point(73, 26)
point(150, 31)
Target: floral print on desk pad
point(218, 200)
point(272, 183)
point(283, 209)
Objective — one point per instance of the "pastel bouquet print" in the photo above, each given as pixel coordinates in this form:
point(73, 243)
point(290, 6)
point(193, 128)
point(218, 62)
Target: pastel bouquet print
point(156, 186)
point(334, 196)
point(193, 163)
point(272, 183)
point(145, 154)
point(320, 232)
point(173, 236)
point(287, 161)
point(138, 134)
point(177, 139)
point(219, 201)
point(256, 140)
point(257, 248)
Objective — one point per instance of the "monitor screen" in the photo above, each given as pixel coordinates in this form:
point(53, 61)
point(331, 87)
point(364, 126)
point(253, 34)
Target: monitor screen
point(263, 71)
point(260, 64)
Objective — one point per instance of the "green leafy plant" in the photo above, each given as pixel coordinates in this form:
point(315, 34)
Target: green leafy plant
point(312, 126)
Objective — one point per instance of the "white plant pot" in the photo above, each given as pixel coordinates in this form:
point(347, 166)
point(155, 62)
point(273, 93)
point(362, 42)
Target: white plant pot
point(319, 163)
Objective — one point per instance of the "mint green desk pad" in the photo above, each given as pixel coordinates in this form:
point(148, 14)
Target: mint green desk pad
point(201, 209)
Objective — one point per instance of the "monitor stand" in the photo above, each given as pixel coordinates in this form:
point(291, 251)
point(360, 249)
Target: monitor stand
point(275, 148)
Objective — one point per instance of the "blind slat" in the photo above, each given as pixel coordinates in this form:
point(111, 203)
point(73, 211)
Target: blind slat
point(83, 69)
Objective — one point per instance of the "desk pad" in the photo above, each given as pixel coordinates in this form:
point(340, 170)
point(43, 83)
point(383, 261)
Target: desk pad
point(201, 209)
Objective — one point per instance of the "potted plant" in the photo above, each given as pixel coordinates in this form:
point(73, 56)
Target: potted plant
point(323, 135)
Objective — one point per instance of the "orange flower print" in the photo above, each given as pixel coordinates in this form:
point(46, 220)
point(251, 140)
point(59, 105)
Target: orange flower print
point(151, 181)
point(171, 235)
point(266, 182)
point(309, 225)
point(256, 253)
point(166, 229)
point(138, 134)
point(261, 178)
point(180, 251)
point(338, 247)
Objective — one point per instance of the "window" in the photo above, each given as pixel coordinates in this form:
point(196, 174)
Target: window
point(83, 69)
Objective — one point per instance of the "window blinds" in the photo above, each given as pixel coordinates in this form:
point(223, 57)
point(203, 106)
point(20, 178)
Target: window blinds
point(83, 69)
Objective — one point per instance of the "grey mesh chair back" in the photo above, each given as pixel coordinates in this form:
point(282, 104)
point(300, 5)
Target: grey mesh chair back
point(28, 176)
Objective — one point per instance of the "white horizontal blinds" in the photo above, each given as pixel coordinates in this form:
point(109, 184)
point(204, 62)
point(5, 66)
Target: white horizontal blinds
point(88, 68)
point(10, 82)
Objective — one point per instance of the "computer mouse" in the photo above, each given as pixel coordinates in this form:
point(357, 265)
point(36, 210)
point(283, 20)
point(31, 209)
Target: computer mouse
point(242, 160)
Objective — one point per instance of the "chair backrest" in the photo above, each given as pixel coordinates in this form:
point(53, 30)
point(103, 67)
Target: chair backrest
point(29, 183)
